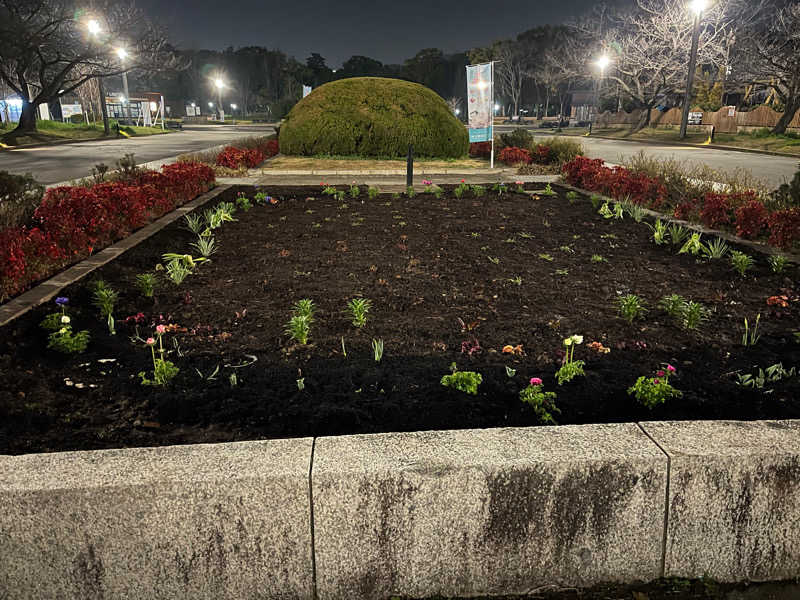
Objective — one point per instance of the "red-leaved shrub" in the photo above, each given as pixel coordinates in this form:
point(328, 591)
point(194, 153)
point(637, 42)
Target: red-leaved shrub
point(235, 158)
point(514, 156)
point(618, 182)
point(784, 227)
point(716, 210)
point(72, 222)
point(480, 149)
point(751, 218)
point(542, 155)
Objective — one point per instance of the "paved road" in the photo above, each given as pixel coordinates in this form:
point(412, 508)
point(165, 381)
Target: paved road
point(774, 170)
point(52, 164)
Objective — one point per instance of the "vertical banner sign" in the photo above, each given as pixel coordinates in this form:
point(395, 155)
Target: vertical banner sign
point(480, 90)
point(306, 90)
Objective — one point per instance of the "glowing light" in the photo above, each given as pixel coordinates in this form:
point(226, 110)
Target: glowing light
point(603, 62)
point(122, 98)
point(93, 26)
point(192, 104)
point(122, 53)
point(482, 85)
point(458, 111)
point(698, 6)
point(233, 106)
point(219, 83)
point(210, 105)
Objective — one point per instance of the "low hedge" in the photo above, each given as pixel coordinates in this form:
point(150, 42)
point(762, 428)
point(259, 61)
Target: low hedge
point(72, 222)
point(374, 117)
point(742, 211)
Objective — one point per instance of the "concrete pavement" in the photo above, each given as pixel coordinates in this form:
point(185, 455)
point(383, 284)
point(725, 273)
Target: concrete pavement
point(71, 161)
point(51, 164)
point(773, 170)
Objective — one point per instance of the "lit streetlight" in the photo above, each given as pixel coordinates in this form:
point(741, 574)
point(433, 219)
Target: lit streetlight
point(602, 64)
point(94, 27)
point(122, 54)
point(697, 7)
point(219, 84)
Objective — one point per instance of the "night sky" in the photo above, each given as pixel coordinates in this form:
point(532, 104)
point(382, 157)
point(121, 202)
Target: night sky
point(387, 30)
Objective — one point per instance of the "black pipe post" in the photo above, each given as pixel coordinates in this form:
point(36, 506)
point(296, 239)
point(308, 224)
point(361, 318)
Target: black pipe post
point(410, 166)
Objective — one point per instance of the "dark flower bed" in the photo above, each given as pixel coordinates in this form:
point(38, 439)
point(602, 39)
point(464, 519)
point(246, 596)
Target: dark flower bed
point(507, 286)
point(72, 222)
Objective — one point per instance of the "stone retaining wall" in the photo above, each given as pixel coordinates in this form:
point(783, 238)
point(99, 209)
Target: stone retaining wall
point(454, 513)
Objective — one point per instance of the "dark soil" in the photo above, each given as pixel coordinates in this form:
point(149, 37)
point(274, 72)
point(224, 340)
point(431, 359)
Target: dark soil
point(425, 264)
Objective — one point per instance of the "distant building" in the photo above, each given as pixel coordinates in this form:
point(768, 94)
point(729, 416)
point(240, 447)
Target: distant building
point(583, 106)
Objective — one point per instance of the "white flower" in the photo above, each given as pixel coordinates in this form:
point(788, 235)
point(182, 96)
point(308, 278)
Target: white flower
point(65, 319)
point(578, 339)
point(568, 341)
point(62, 330)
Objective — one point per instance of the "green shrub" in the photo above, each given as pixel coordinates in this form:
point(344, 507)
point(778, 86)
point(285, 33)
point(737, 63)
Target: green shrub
point(563, 150)
point(19, 197)
point(788, 194)
point(519, 138)
point(373, 116)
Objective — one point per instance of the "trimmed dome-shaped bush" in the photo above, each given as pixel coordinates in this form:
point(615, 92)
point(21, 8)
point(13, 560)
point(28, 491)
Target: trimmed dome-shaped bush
point(373, 116)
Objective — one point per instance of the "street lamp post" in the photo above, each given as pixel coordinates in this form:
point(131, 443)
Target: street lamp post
point(94, 30)
point(219, 84)
point(697, 6)
point(601, 63)
point(126, 107)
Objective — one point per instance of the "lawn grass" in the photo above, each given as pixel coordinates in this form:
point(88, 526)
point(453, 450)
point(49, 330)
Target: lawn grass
point(342, 163)
point(757, 140)
point(56, 131)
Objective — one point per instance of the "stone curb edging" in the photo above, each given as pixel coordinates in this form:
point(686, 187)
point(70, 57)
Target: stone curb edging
point(450, 513)
point(49, 288)
point(397, 172)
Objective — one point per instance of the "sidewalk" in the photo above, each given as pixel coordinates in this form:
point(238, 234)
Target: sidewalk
point(384, 180)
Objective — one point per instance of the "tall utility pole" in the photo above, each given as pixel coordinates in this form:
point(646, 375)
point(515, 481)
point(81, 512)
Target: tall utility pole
point(126, 107)
point(94, 30)
point(697, 6)
point(219, 85)
point(103, 106)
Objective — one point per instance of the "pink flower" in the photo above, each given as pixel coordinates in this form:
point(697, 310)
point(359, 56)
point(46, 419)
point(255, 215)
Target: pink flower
point(161, 329)
point(462, 181)
point(660, 373)
point(670, 368)
point(536, 381)
point(150, 341)
point(656, 381)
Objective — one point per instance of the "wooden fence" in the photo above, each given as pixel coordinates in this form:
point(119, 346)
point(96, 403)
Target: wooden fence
point(725, 120)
